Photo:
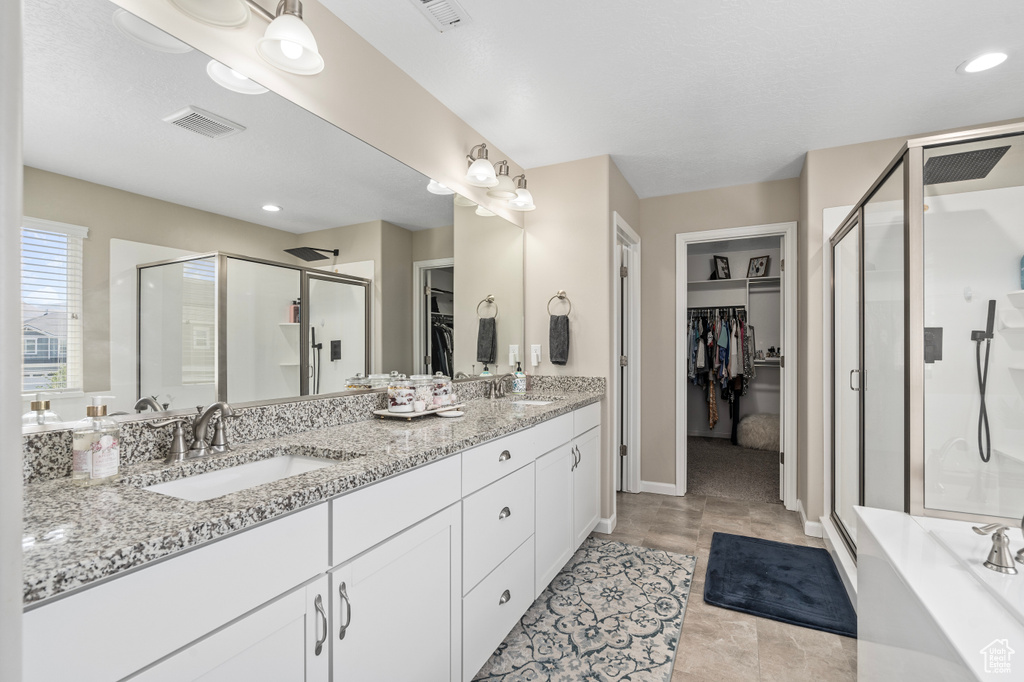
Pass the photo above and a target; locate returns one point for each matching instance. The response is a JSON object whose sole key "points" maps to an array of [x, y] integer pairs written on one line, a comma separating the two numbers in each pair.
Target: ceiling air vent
{"points": [[444, 15], [204, 123]]}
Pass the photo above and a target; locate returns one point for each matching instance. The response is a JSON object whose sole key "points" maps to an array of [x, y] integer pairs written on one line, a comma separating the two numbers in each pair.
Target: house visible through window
{"points": [[51, 306]]}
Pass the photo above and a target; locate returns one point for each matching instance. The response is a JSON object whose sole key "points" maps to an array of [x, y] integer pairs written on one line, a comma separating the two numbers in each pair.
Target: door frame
{"points": [[790, 372], [628, 237], [419, 270]]}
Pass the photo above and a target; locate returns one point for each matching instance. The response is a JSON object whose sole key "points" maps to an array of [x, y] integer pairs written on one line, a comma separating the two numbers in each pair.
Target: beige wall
{"points": [[661, 219], [396, 299], [433, 244], [115, 214], [488, 260], [359, 91]]}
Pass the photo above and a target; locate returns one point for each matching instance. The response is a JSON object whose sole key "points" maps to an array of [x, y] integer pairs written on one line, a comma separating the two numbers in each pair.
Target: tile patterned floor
{"points": [[719, 644]]}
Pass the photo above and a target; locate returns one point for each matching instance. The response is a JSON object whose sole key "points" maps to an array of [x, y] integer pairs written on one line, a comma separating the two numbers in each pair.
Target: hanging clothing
{"points": [[720, 357]]}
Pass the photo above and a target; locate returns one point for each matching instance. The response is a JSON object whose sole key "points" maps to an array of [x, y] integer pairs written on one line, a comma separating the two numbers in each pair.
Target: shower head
{"points": [[308, 253], [973, 165]]}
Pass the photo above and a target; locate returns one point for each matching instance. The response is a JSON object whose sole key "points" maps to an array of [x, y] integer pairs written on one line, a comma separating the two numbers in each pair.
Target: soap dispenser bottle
{"points": [[97, 458], [40, 413], [519, 382]]}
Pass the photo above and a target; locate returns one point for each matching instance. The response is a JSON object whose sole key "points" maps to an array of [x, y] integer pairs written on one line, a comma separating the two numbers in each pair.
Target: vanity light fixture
{"points": [[481, 172], [483, 212], [505, 189], [435, 187], [271, 208], [464, 202], [983, 62], [523, 200], [146, 34], [226, 77], [288, 43]]}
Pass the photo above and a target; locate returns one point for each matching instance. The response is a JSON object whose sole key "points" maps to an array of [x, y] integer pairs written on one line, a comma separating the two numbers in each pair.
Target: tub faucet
{"points": [[999, 558], [201, 426]]}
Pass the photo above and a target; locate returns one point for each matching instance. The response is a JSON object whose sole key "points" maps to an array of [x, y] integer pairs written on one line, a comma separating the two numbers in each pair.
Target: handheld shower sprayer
{"points": [[984, 435]]}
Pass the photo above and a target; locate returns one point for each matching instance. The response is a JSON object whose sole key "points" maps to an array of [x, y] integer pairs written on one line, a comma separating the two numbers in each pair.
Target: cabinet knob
{"points": [[343, 593], [319, 604], [504, 456], [504, 513], [505, 596]]}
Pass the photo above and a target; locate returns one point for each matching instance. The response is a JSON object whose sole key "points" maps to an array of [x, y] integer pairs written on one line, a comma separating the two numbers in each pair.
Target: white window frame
{"points": [[76, 335]]}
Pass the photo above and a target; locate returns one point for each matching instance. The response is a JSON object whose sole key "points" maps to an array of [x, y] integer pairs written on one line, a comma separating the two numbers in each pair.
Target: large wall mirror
{"points": [[143, 174]]}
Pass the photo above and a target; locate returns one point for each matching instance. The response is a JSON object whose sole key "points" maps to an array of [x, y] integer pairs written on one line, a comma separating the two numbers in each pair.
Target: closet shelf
{"points": [[1016, 298], [767, 363], [736, 282], [289, 364], [288, 324]]}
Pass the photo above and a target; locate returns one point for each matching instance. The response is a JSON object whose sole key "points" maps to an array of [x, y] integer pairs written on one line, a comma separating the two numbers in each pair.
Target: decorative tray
{"points": [[409, 416]]}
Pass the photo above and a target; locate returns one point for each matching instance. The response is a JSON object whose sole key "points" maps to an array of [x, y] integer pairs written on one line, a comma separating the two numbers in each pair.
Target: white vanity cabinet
{"points": [[586, 484]]}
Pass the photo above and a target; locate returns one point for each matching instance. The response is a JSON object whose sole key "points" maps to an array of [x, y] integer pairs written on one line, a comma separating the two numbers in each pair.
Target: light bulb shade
{"points": [[464, 202], [289, 35], [523, 201], [481, 174], [227, 77], [505, 189], [483, 212], [435, 187]]}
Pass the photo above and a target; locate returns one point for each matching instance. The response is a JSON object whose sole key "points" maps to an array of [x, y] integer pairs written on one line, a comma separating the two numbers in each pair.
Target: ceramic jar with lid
{"points": [[358, 382], [442, 390], [401, 394]]}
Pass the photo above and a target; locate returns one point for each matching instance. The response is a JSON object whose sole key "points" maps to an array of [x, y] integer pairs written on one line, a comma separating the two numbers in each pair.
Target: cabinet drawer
{"points": [[487, 463], [371, 515], [115, 628], [486, 618], [586, 418], [495, 521]]}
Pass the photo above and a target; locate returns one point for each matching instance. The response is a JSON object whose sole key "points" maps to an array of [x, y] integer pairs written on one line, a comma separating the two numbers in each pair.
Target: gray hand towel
{"points": [[558, 339], [487, 341]]}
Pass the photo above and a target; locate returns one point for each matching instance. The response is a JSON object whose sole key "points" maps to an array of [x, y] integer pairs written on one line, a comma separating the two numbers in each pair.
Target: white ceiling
{"points": [[94, 104], [696, 94]]}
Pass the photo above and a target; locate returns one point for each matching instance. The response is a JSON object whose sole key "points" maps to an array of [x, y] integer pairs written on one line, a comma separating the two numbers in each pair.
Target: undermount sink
{"points": [[213, 484], [532, 402]]}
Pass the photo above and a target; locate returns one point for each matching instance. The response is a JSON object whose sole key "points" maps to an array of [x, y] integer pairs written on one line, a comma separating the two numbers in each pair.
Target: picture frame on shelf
{"points": [[721, 270], [758, 267]]}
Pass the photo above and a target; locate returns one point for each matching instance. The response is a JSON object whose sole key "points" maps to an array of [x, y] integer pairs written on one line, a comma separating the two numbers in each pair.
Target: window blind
{"points": [[51, 306], [198, 311]]}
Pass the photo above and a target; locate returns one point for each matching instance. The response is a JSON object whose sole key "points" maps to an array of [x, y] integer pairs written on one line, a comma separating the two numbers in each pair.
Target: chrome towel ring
{"points": [[561, 296], [489, 299]]}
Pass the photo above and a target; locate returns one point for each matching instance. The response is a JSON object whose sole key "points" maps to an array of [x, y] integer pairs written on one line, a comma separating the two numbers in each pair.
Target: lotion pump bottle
{"points": [[97, 458], [40, 413], [519, 382]]}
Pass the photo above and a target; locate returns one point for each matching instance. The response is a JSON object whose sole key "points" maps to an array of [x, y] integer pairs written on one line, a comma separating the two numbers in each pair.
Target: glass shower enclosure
{"points": [[928, 334], [225, 327]]}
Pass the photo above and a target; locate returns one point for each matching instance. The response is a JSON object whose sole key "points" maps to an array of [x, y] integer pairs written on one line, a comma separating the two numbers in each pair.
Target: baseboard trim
{"points": [[658, 488], [606, 526], [812, 528]]}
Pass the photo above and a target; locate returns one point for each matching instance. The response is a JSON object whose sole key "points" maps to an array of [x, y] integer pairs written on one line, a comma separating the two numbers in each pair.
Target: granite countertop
{"points": [[74, 536]]}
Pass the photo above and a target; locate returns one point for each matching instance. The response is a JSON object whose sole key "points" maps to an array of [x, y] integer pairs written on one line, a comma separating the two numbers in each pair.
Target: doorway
{"points": [[433, 316], [626, 356], [736, 400]]}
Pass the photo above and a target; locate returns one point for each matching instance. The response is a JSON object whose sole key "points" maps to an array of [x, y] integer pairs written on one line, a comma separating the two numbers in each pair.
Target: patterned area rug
{"points": [[613, 613]]}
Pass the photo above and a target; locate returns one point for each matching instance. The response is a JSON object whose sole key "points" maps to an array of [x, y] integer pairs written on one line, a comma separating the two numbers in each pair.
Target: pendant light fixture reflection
{"points": [[288, 43], [523, 200], [435, 187], [464, 202], [505, 189], [226, 77], [219, 13], [147, 34], [481, 172], [483, 212]]}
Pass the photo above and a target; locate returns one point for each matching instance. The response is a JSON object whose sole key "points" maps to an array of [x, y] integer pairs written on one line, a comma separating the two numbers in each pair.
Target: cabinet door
{"points": [[274, 642], [586, 485], [555, 531], [395, 609]]}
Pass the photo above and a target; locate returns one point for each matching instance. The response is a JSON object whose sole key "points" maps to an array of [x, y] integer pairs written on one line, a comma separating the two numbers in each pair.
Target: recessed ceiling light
{"points": [[273, 208], [982, 63], [226, 77], [146, 34]]}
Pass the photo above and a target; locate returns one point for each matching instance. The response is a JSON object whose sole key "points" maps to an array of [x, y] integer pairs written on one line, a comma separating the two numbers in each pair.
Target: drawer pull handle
{"points": [[575, 458], [343, 593], [505, 596], [504, 513], [504, 456], [319, 604]]}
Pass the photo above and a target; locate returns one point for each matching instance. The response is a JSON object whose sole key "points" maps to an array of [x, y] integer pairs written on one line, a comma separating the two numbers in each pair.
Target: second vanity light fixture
{"points": [[287, 44]]}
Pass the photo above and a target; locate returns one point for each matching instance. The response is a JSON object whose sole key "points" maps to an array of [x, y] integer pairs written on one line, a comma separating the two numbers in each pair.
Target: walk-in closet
{"points": [[437, 326], [735, 353]]}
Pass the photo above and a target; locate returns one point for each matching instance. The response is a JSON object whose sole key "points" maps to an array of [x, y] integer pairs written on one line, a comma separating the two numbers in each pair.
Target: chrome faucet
{"points": [[148, 402], [999, 557], [497, 385], [199, 446], [461, 375]]}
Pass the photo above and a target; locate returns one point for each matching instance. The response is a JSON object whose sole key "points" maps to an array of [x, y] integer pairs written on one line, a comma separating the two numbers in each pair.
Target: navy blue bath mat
{"points": [[788, 583]]}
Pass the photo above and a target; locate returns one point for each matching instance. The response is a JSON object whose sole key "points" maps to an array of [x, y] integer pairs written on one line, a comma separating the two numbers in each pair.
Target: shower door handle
{"points": [[852, 372]]}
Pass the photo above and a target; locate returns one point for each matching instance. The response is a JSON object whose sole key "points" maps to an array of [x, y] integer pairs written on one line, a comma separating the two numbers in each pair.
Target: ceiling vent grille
{"points": [[444, 15], [204, 123]]}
